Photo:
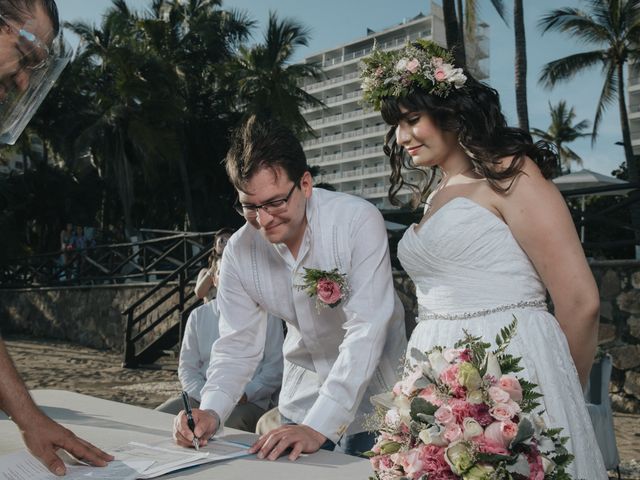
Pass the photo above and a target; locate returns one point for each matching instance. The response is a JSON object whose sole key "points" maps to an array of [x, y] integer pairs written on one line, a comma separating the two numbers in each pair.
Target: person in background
{"points": [[30, 62], [205, 288], [201, 332]]}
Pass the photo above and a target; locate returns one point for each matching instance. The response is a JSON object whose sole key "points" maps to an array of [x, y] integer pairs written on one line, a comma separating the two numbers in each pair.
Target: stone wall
{"points": [[89, 316], [619, 285]]}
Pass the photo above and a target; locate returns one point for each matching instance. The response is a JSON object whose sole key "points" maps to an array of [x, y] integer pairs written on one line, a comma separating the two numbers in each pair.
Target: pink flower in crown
{"points": [[440, 75], [437, 61], [379, 72], [511, 385], [329, 292], [413, 65]]}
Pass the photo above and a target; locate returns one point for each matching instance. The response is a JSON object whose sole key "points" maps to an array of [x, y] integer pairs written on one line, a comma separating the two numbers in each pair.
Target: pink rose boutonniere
{"points": [[329, 288]]}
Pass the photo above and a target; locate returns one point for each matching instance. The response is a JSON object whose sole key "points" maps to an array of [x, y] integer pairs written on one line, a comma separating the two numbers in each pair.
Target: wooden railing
{"points": [[143, 261]]}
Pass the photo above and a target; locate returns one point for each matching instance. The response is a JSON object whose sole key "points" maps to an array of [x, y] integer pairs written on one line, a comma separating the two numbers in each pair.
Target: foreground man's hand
{"points": [[206, 425], [300, 438], [43, 437]]}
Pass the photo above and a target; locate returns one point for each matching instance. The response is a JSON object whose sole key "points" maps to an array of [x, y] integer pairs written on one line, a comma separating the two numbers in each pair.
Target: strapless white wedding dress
{"points": [[470, 273]]}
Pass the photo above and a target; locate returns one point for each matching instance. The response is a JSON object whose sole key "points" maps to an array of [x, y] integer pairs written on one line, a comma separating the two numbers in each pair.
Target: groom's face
{"points": [[285, 224]]}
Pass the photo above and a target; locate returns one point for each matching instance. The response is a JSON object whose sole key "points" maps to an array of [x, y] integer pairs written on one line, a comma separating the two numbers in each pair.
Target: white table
{"points": [[109, 424]]}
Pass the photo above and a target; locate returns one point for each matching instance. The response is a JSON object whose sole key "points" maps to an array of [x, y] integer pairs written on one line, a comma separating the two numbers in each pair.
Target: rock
{"points": [[606, 333], [621, 403], [629, 301], [610, 285], [634, 326], [632, 384], [626, 357]]}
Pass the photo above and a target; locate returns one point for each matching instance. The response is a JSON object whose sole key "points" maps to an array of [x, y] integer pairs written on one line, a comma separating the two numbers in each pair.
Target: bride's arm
{"points": [[541, 223]]}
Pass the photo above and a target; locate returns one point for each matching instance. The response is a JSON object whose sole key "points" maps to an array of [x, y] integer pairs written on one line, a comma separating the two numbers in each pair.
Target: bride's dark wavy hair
{"points": [[474, 113]]}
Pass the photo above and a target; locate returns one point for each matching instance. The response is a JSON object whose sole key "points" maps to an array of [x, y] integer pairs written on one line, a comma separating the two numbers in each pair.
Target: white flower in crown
{"points": [[401, 66]]}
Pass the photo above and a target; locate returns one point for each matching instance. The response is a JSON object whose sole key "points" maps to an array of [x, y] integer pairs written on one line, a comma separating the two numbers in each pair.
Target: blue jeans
{"points": [[354, 445]]}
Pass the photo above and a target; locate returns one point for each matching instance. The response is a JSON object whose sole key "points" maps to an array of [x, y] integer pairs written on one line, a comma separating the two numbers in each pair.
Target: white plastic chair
{"points": [[599, 406]]}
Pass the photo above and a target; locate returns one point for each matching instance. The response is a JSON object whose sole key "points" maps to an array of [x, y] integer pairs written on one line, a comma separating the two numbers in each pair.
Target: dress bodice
{"points": [[464, 259]]}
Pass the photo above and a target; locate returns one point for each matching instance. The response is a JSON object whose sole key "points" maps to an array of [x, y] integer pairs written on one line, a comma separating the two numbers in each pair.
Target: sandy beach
{"points": [[63, 366], [59, 365]]}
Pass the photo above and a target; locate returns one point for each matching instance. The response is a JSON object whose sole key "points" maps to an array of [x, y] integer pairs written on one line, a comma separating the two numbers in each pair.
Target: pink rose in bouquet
{"points": [[511, 385]]}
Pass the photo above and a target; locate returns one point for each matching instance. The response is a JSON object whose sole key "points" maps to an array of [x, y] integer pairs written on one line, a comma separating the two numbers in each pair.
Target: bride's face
{"points": [[428, 145]]}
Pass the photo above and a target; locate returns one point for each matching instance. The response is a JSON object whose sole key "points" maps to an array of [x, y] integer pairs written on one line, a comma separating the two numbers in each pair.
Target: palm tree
{"points": [[460, 21], [198, 40], [520, 65], [268, 83], [613, 28], [561, 131]]}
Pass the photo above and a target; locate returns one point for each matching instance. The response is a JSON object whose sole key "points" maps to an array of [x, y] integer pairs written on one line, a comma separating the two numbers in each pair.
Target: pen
{"points": [[190, 422]]}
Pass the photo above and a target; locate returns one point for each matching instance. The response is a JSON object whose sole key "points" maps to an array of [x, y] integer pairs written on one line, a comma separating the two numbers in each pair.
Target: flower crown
{"points": [[423, 65]]}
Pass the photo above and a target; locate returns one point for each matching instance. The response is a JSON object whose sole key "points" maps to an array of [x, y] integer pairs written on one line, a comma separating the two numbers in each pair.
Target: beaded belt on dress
{"points": [[424, 314]]}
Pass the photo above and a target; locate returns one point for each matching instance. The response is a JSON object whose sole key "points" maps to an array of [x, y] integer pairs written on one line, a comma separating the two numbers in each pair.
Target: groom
{"points": [[336, 357]]}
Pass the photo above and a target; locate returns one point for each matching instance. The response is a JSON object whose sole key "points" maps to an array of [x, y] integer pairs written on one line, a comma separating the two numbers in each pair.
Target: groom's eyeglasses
{"points": [[274, 207]]}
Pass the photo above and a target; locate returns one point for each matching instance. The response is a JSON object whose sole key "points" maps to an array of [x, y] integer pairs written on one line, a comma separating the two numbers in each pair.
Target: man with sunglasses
{"points": [[29, 64], [336, 357]]}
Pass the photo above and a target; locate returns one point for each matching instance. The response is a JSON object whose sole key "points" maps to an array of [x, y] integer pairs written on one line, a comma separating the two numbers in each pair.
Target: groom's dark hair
{"points": [[259, 144]]}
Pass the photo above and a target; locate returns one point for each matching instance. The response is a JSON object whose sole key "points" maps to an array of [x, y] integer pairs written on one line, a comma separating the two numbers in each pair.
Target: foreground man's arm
{"points": [[41, 435]]}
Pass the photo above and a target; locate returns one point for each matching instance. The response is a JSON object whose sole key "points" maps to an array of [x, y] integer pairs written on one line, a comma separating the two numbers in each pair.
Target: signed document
{"points": [[133, 460]]}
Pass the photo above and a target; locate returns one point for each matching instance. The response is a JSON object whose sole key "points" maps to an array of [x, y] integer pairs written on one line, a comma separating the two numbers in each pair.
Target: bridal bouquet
{"points": [[460, 413]]}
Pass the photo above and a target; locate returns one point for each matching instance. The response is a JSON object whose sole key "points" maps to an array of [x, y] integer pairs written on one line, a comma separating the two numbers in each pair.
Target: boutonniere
{"points": [[329, 288]]}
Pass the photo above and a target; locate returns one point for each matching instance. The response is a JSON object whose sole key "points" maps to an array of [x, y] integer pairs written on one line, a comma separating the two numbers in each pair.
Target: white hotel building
{"points": [[348, 147], [634, 109]]}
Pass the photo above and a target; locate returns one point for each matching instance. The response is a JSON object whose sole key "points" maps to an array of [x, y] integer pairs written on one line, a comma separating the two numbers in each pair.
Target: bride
{"points": [[495, 235]]}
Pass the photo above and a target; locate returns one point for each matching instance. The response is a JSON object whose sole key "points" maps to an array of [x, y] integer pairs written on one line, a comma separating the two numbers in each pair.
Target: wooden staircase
{"points": [[155, 322]]}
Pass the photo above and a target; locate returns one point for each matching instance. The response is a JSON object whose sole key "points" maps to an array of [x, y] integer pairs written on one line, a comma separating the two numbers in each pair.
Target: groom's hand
{"points": [[206, 425], [299, 438]]}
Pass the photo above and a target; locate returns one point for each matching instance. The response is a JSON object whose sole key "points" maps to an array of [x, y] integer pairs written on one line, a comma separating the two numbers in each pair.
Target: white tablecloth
{"points": [[109, 424]]}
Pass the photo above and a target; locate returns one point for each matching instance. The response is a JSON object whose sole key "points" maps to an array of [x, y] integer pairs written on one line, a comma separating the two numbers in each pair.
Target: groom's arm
{"points": [[234, 356]]}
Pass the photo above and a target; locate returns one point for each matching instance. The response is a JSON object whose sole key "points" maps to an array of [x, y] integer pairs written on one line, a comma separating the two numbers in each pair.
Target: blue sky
{"points": [[334, 22]]}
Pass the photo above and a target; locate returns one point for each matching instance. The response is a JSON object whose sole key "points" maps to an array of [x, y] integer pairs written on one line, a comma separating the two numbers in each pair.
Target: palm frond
{"points": [[566, 68]]}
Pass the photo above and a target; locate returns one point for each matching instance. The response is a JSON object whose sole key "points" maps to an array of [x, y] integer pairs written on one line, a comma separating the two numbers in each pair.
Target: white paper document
{"points": [[133, 460], [24, 466], [168, 457]]}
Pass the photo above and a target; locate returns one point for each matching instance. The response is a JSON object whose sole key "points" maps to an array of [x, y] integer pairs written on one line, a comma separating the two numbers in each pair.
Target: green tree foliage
{"points": [[143, 113], [563, 130]]}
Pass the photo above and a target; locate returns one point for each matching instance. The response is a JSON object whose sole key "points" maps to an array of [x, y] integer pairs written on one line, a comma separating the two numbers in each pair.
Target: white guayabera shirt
{"points": [[335, 358]]}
